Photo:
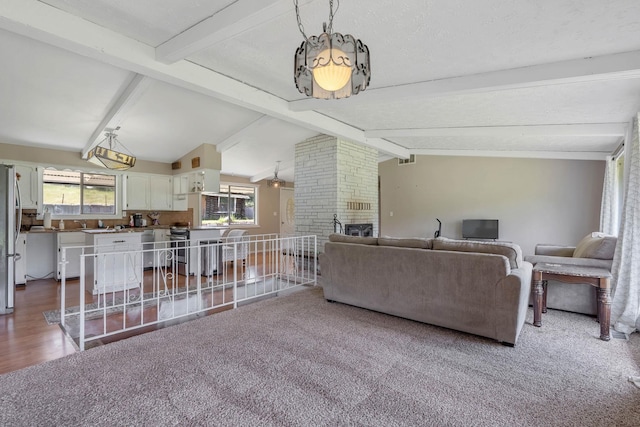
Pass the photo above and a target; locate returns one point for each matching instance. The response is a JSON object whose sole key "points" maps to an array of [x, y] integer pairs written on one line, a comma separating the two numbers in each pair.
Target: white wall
{"points": [[535, 200]]}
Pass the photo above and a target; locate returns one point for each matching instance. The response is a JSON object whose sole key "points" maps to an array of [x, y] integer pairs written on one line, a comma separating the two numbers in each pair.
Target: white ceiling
{"points": [[550, 79]]}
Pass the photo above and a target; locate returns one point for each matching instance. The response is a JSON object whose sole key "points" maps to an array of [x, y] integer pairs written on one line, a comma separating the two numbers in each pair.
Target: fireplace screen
{"points": [[362, 230]]}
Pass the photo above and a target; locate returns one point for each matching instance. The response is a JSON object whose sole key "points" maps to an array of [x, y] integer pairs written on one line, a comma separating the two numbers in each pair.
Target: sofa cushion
{"points": [[596, 245], [344, 238], [418, 243], [509, 250]]}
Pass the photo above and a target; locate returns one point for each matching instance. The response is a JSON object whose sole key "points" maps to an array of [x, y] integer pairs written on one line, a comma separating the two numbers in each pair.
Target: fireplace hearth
{"points": [[362, 230]]}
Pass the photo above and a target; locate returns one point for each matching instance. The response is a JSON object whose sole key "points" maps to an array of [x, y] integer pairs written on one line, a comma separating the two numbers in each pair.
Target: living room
{"points": [[482, 110]]}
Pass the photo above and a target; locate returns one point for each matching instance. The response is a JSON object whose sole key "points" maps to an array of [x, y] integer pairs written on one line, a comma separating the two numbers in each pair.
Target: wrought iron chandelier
{"points": [[331, 65], [275, 181], [105, 154]]}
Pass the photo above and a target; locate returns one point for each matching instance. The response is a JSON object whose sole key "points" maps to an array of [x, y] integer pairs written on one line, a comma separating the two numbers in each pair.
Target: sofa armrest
{"points": [[512, 303], [324, 279], [554, 250], [582, 262]]}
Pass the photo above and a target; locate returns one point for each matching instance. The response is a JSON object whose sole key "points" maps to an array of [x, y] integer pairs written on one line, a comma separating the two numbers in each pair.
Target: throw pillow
{"points": [[597, 246]]}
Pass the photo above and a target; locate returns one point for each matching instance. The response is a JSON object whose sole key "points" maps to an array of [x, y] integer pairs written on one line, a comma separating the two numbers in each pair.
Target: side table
{"points": [[598, 277]]}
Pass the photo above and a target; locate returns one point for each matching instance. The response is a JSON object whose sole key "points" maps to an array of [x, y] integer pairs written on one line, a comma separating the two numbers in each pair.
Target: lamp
{"points": [[275, 181], [104, 154], [331, 65]]}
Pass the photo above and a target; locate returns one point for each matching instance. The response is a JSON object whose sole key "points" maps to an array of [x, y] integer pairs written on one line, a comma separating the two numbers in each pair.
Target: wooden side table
{"points": [[598, 277]]}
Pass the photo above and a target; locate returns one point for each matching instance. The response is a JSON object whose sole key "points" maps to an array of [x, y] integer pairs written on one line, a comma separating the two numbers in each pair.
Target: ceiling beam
{"points": [[284, 165], [125, 100], [598, 68], [238, 17], [245, 132], [558, 155], [47, 24], [587, 130]]}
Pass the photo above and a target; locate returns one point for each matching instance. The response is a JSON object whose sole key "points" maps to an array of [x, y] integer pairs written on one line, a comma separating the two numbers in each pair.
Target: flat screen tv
{"points": [[479, 228]]}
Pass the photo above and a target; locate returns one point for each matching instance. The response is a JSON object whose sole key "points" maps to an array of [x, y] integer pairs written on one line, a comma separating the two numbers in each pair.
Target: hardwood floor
{"points": [[25, 337]]}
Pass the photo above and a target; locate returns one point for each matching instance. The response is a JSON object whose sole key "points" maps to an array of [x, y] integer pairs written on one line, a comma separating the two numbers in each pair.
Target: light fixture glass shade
{"points": [[275, 181], [108, 157], [332, 66], [334, 74]]}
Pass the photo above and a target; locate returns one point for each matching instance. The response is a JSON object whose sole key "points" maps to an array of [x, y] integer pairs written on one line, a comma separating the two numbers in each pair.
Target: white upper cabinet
{"points": [[149, 192], [29, 187], [161, 192], [180, 190], [138, 192]]}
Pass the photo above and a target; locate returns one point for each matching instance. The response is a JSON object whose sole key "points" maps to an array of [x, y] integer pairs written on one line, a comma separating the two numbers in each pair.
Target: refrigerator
{"points": [[10, 216]]}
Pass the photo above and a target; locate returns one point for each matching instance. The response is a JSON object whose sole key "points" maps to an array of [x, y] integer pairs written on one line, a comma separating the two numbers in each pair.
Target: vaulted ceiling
{"points": [[551, 79]]}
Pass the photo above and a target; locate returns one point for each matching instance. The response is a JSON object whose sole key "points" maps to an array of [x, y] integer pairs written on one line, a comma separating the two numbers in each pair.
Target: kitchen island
{"points": [[116, 264]]}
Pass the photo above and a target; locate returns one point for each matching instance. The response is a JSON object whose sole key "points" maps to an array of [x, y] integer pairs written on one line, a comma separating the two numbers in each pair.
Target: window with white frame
{"points": [[68, 193], [234, 204]]}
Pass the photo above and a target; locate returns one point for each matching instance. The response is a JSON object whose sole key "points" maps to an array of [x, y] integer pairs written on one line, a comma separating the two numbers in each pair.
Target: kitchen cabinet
{"points": [[117, 262], [20, 266], [138, 193], [204, 180], [40, 248], [161, 192], [72, 242], [29, 186], [149, 192], [180, 190]]}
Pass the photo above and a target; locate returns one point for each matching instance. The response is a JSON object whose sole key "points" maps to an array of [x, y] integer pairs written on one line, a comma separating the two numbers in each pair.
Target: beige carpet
{"points": [[298, 360]]}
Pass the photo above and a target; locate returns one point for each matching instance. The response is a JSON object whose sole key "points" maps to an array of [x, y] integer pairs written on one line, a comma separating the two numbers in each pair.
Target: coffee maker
{"points": [[137, 220]]}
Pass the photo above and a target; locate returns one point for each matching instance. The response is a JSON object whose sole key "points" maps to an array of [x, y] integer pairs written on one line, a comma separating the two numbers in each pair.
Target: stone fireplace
{"points": [[361, 230], [335, 179]]}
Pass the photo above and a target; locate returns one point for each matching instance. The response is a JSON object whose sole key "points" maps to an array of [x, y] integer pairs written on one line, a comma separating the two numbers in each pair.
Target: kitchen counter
{"points": [[97, 230]]}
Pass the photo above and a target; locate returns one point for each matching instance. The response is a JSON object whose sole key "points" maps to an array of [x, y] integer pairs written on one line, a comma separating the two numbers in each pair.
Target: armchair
{"points": [[594, 250]]}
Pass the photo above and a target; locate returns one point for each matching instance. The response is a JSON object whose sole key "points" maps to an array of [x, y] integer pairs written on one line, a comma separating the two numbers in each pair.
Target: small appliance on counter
{"points": [[137, 220]]}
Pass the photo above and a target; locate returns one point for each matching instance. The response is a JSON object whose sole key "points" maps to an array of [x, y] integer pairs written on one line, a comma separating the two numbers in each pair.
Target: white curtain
{"points": [[609, 208], [625, 310]]}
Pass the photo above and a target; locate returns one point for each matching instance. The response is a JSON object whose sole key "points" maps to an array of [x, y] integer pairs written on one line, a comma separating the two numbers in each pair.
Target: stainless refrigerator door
{"points": [[7, 238]]}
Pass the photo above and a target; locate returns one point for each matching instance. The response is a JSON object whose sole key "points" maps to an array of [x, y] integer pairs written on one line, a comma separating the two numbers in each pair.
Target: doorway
{"points": [[287, 212]]}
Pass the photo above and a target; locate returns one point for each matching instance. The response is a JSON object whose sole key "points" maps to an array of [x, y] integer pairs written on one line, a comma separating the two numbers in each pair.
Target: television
{"points": [[480, 229]]}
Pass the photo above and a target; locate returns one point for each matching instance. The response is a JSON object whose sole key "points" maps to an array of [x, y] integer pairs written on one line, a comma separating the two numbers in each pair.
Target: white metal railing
{"points": [[116, 294]]}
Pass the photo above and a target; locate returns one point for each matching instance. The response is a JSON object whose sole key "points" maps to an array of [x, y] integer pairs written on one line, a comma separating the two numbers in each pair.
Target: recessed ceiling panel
{"points": [[597, 102], [421, 40], [272, 142], [149, 21], [168, 122], [50, 96]]}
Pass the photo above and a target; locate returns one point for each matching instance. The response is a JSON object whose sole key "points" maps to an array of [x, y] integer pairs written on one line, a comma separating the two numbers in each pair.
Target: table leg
{"points": [[538, 293], [604, 309]]}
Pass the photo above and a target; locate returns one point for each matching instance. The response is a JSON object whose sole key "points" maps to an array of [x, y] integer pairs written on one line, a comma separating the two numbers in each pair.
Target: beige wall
{"points": [[535, 200], [50, 157], [209, 159], [268, 203]]}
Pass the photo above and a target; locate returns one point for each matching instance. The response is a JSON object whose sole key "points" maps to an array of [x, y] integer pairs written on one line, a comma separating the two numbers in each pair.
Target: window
{"points": [[234, 204], [77, 193]]}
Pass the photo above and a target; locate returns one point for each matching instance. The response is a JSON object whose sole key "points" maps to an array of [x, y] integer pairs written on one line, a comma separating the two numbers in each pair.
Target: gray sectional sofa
{"points": [[477, 287]]}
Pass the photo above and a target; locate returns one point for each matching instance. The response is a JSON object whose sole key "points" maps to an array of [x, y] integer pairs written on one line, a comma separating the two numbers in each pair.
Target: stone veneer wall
{"points": [[333, 176]]}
